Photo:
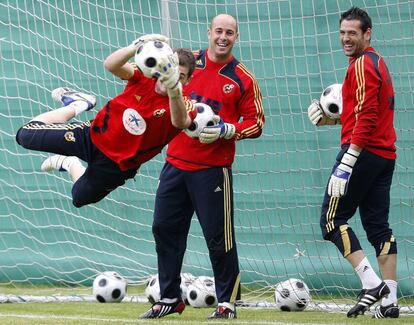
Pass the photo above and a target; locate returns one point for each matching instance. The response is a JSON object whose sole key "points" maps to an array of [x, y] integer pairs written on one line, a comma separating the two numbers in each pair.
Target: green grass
{"points": [[127, 312], [124, 313]]}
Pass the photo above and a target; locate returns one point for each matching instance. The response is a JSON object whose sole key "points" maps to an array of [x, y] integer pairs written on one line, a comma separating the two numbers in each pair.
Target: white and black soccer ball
{"points": [[148, 55], [331, 101], [292, 295], [202, 292], [186, 280], [205, 117], [109, 287], [152, 289]]}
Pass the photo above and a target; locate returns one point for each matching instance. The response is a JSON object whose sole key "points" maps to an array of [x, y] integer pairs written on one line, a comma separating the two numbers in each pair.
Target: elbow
{"points": [[107, 65]]}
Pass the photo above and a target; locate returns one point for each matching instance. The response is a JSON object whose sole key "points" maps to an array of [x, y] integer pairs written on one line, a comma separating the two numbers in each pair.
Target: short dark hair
{"points": [[186, 59], [356, 13]]}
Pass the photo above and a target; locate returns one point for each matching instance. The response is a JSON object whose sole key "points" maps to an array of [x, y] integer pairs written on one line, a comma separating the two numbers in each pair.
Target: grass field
{"points": [[125, 313], [128, 312]]}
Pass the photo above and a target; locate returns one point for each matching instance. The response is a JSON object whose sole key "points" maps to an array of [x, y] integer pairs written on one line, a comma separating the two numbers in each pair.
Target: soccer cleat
{"points": [[67, 96], [367, 298], [161, 309], [390, 311], [223, 312], [56, 162]]}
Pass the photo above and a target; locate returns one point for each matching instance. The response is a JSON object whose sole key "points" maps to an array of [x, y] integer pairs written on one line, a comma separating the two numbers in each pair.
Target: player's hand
{"points": [[338, 182], [149, 37], [168, 74], [210, 134], [133, 47], [317, 116]]}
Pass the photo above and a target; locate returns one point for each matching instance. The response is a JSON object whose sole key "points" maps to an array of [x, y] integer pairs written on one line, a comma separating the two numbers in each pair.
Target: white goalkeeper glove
{"points": [[210, 134], [168, 74], [133, 47], [317, 116], [338, 182]]}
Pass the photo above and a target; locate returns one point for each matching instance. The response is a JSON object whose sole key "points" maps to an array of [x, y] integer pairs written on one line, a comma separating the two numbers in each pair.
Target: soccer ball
{"points": [[205, 117], [152, 290], [292, 295], [186, 280], [202, 292], [331, 101], [148, 55], [109, 287]]}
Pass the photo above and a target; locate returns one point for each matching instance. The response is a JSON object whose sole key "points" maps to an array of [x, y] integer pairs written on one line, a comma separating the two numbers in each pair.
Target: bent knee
{"points": [[24, 137]]}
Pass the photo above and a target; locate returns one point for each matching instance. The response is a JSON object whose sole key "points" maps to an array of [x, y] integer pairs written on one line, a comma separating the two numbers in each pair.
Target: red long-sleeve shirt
{"points": [[135, 125], [368, 105], [234, 94]]}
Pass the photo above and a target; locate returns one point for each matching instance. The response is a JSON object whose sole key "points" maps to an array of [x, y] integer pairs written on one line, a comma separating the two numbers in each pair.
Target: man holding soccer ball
{"points": [[362, 175], [197, 174], [129, 130]]}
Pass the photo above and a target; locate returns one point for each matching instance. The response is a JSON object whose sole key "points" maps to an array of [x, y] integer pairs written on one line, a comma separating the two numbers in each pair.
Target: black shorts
{"points": [[369, 190], [102, 175]]}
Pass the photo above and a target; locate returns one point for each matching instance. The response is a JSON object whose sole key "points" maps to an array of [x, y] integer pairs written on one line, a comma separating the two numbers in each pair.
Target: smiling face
{"points": [[353, 40], [222, 35]]}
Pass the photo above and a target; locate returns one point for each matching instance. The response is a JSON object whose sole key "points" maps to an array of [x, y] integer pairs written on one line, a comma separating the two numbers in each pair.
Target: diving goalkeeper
{"points": [[129, 130]]}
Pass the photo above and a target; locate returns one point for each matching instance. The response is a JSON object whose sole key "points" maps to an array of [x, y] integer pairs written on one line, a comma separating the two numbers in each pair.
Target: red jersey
{"points": [[368, 105], [134, 126], [234, 94]]}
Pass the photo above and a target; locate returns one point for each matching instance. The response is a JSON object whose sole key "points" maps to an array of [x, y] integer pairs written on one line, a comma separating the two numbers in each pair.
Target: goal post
{"points": [[292, 47]]}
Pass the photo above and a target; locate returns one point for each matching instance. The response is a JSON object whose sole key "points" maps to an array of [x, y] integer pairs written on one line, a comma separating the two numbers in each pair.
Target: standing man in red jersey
{"points": [[362, 175], [129, 130], [197, 174]]}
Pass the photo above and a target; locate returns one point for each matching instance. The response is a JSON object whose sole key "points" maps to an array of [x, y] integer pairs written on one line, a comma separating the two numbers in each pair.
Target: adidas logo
{"points": [[218, 189], [365, 268]]}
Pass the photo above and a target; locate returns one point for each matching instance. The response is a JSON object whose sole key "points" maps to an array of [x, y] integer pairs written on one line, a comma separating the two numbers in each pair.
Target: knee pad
{"points": [[387, 247], [344, 239]]}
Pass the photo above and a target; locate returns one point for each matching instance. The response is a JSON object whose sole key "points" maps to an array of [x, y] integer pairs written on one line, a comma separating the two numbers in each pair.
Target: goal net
{"points": [[292, 47]]}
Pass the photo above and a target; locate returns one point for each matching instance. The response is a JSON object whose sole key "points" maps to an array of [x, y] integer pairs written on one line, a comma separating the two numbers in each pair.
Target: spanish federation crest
{"points": [[134, 123]]}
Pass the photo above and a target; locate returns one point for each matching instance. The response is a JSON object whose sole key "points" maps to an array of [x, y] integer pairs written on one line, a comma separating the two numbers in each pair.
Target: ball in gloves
{"points": [[148, 55], [205, 117], [331, 101]]}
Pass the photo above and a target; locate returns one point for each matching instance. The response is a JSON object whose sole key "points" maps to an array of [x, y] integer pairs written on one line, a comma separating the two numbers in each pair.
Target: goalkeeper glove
{"points": [[338, 182], [210, 134], [168, 74], [317, 116], [133, 47]]}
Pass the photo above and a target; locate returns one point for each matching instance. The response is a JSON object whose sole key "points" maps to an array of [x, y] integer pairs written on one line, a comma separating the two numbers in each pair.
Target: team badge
{"points": [[159, 112], [227, 88], [134, 123], [69, 136]]}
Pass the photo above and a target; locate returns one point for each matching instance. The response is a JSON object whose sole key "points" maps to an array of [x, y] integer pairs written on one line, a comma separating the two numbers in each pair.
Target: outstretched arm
{"points": [[117, 62]]}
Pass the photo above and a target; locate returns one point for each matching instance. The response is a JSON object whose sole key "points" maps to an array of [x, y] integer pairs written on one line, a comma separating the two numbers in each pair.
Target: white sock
{"points": [[392, 297], [169, 300], [227, 305], [367, 275], [79, 106], [69, 161]]}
